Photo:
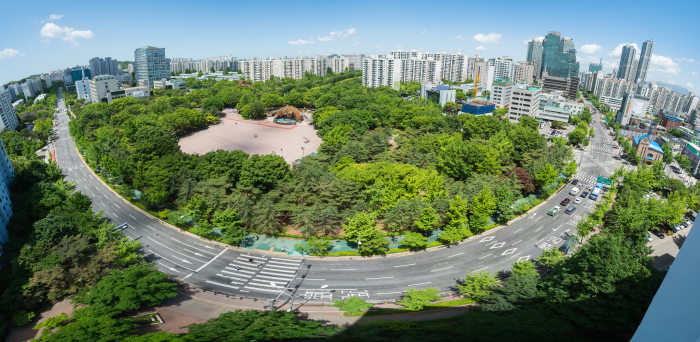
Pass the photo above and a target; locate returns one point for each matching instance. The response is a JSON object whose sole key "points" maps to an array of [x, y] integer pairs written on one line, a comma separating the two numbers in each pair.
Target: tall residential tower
{"points": [[626, 62], [644, 60]]}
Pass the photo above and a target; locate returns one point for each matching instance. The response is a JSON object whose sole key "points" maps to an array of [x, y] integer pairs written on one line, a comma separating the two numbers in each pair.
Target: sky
{"points": [[55, 35]]}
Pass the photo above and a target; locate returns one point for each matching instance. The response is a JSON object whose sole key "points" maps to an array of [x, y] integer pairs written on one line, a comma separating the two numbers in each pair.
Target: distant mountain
{"points": [[678, 89]]}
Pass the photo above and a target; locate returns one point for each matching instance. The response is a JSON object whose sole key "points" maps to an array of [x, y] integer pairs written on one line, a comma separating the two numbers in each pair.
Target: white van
{"points": [[574, 191]]}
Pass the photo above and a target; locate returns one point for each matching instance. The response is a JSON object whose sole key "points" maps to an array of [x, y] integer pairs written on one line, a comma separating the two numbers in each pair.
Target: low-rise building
{"points": [[170, 84], [525, 101], [478, 108], [649, 150], [100, 86], [670, 120], [552, 113], [502, 92], [692, 151], [437, 93], [568, 86], [633, 106], [135, 92]]}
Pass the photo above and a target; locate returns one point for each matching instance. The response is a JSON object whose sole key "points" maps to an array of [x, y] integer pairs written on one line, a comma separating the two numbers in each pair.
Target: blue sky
{"points": [[52, 35]]}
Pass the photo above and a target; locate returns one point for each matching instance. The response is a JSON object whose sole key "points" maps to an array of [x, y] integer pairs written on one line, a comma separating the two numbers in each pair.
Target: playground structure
{"points": [[288, 115]]}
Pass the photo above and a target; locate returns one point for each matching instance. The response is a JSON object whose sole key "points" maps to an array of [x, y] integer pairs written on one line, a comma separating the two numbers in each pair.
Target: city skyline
{"points": [[60, 38]]}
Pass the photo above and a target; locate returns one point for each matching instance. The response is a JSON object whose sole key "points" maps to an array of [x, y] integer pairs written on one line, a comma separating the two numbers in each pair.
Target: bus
{"points": [[596, 192]]}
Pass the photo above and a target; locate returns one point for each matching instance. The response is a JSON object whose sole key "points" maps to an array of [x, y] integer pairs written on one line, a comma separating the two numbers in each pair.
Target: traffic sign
{"points": [[603, 180]]}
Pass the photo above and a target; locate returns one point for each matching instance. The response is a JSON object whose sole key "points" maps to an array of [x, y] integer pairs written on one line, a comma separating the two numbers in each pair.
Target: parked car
{"points": [[570, 209], [658, 233], [565, 202], [649, 238], [554, 211], [584, 194], [574, 182], [676, 228], [577, 201]]}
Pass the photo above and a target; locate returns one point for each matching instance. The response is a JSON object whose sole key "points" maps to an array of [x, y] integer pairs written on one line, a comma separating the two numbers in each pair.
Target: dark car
{"points": [[574, 182], [570, 209], [584, 194], [565, 201], [658, 233]]}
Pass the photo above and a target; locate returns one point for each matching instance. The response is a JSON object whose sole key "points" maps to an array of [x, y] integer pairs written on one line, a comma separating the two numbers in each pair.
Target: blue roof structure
{"points": [[672, 118], [442, 87], [653, 144]]}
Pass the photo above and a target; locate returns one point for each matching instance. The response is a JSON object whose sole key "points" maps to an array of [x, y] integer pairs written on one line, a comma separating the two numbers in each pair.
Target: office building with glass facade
{"points": [[534, 56], [558, 63], [150, 65]]}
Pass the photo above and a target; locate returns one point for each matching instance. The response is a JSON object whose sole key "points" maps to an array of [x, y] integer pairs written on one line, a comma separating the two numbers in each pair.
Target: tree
{"points": [[272, 100], [545, 175], [230, 225], [484, 203], [263, 171], [571, 169], [668, 154], [452, 107], [577, 136], [428, 219], [251, 325], [683, 162], [591, 132], [477, 284], [265, 217], [255, 110], [456, 226], [199, 207], [414, 241], [352, 305], [129, 289], [315, 246], [416, 299], [558, 125], [361, 227], [200, 74]]}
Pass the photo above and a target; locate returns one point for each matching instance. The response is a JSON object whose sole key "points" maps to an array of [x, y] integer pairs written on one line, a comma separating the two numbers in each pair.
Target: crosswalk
{"points": [[603, 149], [586, 178], [257, 273]]}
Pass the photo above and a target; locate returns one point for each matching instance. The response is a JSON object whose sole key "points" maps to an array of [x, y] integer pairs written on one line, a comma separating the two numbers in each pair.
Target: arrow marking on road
{"points": [[527, 257], [509, 251], [498, 245], [557, 228]]}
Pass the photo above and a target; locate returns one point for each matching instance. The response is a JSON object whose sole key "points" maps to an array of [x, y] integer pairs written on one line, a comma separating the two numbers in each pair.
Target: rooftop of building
{"points": [[479, 103], [652, 144], [673, 118], [556, 108]]}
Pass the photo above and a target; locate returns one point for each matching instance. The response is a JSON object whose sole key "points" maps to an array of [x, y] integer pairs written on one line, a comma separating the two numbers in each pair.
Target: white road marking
{"points": [[220, 284], [132, 216], [517, 230], [170, 261], [486, 239], [244, 271], [297, 261], [254, 257], [453, 255], [182, 243], [378, 278], [247, 265], [154, 229], [267, 268], [485, 256], [274, 278], [516, 242], [383, 293], [527, 257], [539, 228], [314, 279], [441, 269], [283, 263], [342, 269], [148, 237], [404, 265], [481, 269], [209, 262], [420, 284], [509, 251], [498, 245], [278, 266]]}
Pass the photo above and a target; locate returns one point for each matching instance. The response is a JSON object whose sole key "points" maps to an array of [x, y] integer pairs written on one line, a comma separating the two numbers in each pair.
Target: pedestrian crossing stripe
{"points": [[220, 284]]}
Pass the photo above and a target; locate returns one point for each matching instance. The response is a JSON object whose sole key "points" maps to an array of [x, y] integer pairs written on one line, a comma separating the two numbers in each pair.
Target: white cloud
{"points": [[618, 50], [338, 34], [55, 17], [44, 40], [51, 30], [689, 60], [590, 48], [689, 85], [423, 32], [22, 55], [398, 46], [458, 37], [694, 73], [357, 43], [480, 48], [300, 42], [664, 65], [8, 53], [538, 38], [492, 37], [377, 47]]}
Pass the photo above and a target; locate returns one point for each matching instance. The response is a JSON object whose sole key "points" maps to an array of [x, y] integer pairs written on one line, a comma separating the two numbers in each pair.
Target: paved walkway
{"points": [[196, 306]]}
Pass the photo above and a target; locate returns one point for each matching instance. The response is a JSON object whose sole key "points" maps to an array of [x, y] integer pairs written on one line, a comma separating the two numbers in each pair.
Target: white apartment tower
{"points": [[8, 117], [7, 173], [381, 71]]}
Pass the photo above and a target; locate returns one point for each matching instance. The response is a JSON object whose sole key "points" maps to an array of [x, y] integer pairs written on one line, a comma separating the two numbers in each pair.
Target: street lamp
{"points": [[302, 151]]}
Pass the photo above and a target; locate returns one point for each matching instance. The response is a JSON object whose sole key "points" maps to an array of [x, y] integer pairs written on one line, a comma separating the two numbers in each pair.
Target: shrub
{"points": [[352, 305], [417, 299], [23, 318]]}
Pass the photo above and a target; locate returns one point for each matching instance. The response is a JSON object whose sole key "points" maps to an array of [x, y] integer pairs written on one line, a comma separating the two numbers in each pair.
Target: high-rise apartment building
{"points": [[28, 89], [503, 67], [556, 63], [261, 70], [524, 72], [381, 71], [354, 61], [644, 60], [107, 66], [8, 118], [633, 72], [451, 67], [150, 65], [534, 56], [7, 173], [101, 85], [83, 89], [626, 62]]}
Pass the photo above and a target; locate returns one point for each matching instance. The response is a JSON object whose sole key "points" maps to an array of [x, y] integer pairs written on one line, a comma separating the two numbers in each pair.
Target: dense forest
{"points": [[386, 166]]}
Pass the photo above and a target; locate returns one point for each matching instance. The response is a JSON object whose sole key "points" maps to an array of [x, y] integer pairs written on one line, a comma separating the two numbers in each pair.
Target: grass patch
{"points": [[428, 307]]}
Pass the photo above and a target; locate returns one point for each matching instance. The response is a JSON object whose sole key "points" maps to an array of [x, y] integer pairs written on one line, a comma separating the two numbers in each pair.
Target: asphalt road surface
{"points": [[374, 279]]}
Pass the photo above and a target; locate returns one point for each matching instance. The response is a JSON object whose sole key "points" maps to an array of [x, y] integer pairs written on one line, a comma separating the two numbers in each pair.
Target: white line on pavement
{"points": [[481, 269], [441, 269], [209, 262], [453, 255], [485, 255], [420, 284], [404, 265], [215, 283], [378, 278]]}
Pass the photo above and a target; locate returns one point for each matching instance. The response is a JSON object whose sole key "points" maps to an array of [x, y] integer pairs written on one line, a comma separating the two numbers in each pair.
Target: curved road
{"points": [[375, 279]]}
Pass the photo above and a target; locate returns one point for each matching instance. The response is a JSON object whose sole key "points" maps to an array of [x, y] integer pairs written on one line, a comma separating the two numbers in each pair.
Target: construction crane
{"points": [[476, 80]]}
